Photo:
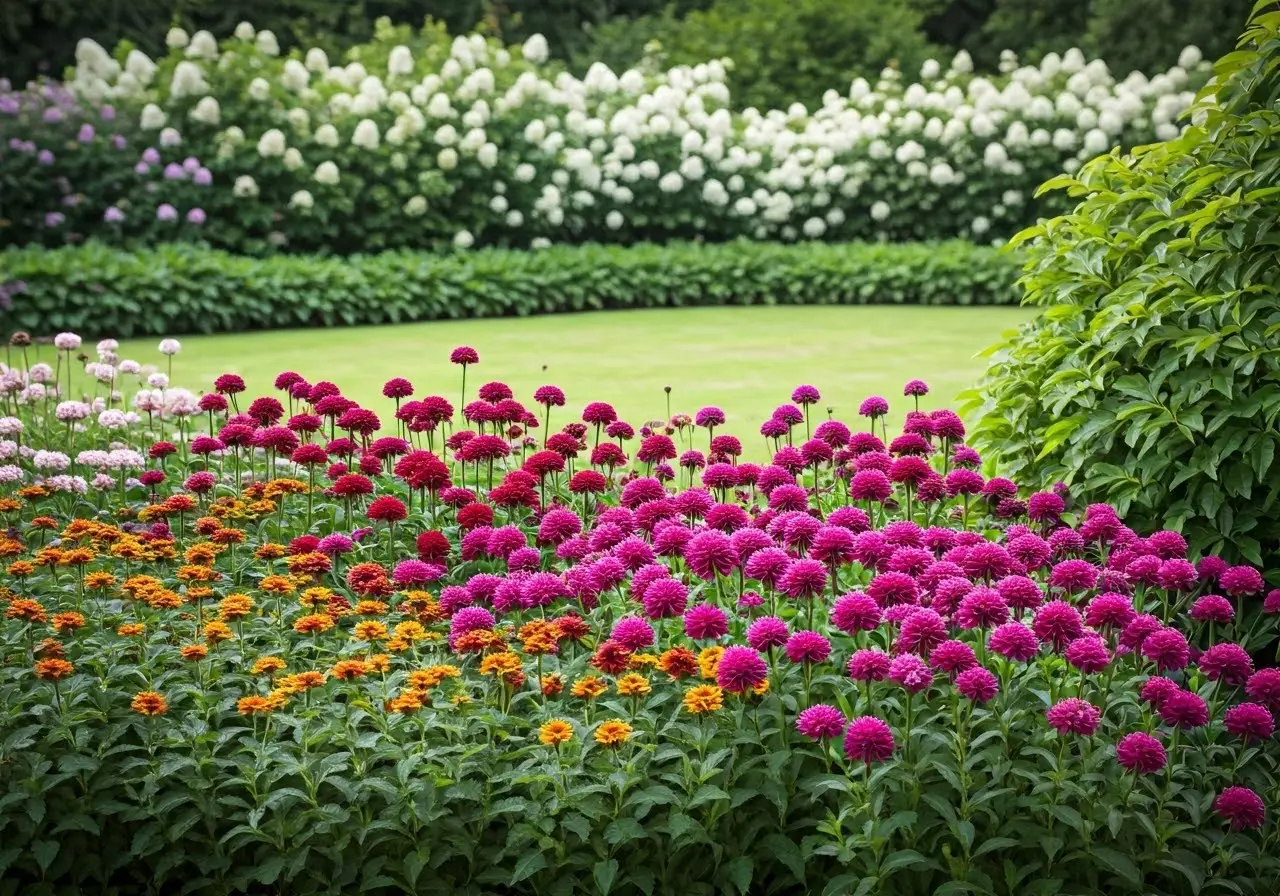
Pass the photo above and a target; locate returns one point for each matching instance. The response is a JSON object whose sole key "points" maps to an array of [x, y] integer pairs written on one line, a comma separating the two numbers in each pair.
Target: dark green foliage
{"points": [[176, 289], [1152, 380]]}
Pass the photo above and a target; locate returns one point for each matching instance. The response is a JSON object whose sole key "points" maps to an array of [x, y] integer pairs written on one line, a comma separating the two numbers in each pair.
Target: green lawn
{"points": [[746, 360]]}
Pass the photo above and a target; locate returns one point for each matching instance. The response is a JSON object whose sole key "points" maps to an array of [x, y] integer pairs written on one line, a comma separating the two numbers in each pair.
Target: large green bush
{"points": [[1153, 377], [177, 289]]}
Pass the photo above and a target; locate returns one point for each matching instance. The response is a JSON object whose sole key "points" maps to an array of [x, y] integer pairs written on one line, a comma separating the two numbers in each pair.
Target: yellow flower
{"points": [[709, 661], [410, 630], [589, 688], [313, 624], [703, 698], [422, 679], [643, 661], [267, 664], [555, 732], [633, 685], [613, 733], [500, 664], [370, 631], [217, 631]]}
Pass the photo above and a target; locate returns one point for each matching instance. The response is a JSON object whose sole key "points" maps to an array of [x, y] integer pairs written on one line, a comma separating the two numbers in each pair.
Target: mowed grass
{"points": [[745, 360]]}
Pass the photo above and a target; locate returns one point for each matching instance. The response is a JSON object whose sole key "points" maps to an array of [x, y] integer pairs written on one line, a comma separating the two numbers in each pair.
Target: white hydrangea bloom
{"points": [[400, 61], [1190, 57], [259, 89], [152, 118], [188, 80], [416, 206], [463, 239], [176, 38], [880, 210], [203, 45], [206, 111], [447, 159], [302, 199], [272, 144], [535, 49], [366, 135], [245, 187], [292, 159], [487, 155], [244, 31], [267, 43], [140, 66], [327, 135], [295, 76], [326, 173], [317, 61]]}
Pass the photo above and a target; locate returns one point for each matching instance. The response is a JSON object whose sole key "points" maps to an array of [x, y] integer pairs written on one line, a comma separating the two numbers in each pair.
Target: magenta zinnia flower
{"points": [[1229, 662], [868, 740], [952, 657], [921, 631], [1088, 653], [1250, 721], [741, 669], [982, 608], [1241, 580], [766, 633], [911, 673], [1167, 648], [1074, 716], [464, 354], [869, 665], [1264, 687], [705, 622], [1183, 709], [808, 647], [1141, 753], [804, 578], [664, 598], [855, 612], [1240, 806], [710, 553], [1057, 623], [1014, 641], [977, 684], [820, 722], [632, 633]]}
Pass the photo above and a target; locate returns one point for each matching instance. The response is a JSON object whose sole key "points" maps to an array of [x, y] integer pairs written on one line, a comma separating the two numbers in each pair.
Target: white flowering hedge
{"points": [[419, 141]]}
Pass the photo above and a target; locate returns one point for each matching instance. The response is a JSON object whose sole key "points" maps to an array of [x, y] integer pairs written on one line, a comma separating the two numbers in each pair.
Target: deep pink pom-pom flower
{"points": [[804, 579], [705, 622], [1239, 581], [855, 612], [869, 665], [1156, 688], [911, 673], [868, 740], [1014, 641], [1183, 709], [1109, 610], [665, 598], [633, 633], [710, 553], [1074, 716], [1088, 653], [741, 669], [1167, 648], [1250, 721], [808, 647], [982, 608], [464, 354], [952, 657], [977, 684], [1229, 662], [1141, 753], [1241, 807], [921, 631], [1058, 623], [1264, 687], [820, 722], [766, 633]]}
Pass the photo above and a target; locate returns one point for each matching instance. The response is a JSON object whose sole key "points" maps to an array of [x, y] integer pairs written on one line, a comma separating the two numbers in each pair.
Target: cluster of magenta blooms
{"points": [[841, 534]]}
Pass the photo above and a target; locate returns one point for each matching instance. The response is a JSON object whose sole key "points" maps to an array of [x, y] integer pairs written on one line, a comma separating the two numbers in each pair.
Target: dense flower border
{"points": [[294, 640]]}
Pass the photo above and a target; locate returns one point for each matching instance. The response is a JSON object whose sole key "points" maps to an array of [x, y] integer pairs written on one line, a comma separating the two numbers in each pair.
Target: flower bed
{"points": [[179, 289], [296, 643], [414, 141]]}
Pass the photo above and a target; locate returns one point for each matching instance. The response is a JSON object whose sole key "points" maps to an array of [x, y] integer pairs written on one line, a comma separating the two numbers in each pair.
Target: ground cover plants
{"points": [[413, 140], [460, 641]]}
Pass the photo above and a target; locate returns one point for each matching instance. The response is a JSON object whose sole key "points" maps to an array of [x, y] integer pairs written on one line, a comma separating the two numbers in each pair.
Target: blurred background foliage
{"points": [[784, 51]]}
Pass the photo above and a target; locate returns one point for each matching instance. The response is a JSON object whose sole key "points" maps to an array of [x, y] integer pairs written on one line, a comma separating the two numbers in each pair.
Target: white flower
{"points": [[140, 66], [317, 60], [259, 89], [525, 172], [447, 159], [327, 135], [366, 134], [232, 136], [535, 49], [267, 43], [445, 135], [1190, 57], [880, 209], [170, 137], [463, 239], [176, 38], [417, 205], [170, 346], [930, 70], [980, 225], [244, 31], [487, 155], [400, 61], [158, 381], [614, 220], [245, 187], [303, 199], [152, 117], [962, 64], [206, 111], [188, 80], [203, 45], [1095, 142], [271, 144], [299, 120], [292, 159], [326, 173], [295, 76]]}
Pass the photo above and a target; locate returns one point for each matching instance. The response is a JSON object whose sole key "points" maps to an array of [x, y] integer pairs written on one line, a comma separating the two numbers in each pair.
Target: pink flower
{"points": [[977, 684], [1141, 753], [464, 354], [632, 633], [911, 673], [664, 598], [921, 631], [868, 740], [804, 579], [1167, 648], [982, 608], [1264, 687], [1250, 720], [1088, 653], [706, 622], [1014, 641], [1212, 608], [1156, 688], [820, 722], [1241, 580], [1229, 662], [1240, 806], [808, 647], [855, 612], [869, 665], [741, 669], [1183, 709], [766, 633], [1057, 623], [1074, 716]]}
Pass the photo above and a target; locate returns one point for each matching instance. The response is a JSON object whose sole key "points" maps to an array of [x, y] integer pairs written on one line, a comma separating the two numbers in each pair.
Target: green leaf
{"points": [[528, 864], [604, 873]]}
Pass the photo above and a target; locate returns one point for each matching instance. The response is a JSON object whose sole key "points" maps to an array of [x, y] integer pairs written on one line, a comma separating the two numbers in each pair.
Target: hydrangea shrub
{"points": [[1153, 376], [413, 140], [483, 644]]}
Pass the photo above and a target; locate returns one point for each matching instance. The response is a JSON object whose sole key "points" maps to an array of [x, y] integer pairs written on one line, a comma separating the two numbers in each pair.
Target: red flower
{"points": [[386, 509], [464, 354], [473, 516]]}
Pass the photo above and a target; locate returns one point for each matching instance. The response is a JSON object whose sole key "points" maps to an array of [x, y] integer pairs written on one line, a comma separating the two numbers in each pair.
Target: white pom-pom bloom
{"points": [[188, 80], [295, 76], [244, 31], [206, 111], [272, 144], [463, 239], [140, 66], [880, 210], [327, 135], [535, 49], [400, 61], [170, 137], [259, 89], [245, 187], [299, 120], [447, 159], [267, 43], [366, 134], [303, 199], [417, 205], [203, 46], [327, 173], [176, 38], [317, 61], [292, 159], [1190, 57], [152, 117], [487, 155]]}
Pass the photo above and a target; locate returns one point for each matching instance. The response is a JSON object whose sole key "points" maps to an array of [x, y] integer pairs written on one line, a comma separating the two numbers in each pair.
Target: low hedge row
{"points": [[97, 290]]}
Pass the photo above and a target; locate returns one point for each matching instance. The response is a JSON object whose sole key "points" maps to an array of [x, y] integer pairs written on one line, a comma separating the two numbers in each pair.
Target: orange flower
{"points": [[9, 505], [370, 631], [44, 522], [67, 622], [277, 585], [194, 652], [53, 669], [589, 688], [207, 525], [313, 624], [633, 685], [344, 670], [703, 698], [371, 608], [551, 684], [131, 629], [50, 647], [21, 568], [99, 581], [227, 536], [678, 662], [194, 573], [643, 661], [202, 553], [613, 733], [162, 599], [269, 551], [149, 703], [278, 699], [477, 640], [555, 732], [421, 679], [313, 596], [235, 606], [266, 665], [217, 631], [407, 702], [179, 503], [253, 705], [312, 564], [502, 664], [410, 630], [48, 556], [379, 662], [299, 682], [27, 610]]}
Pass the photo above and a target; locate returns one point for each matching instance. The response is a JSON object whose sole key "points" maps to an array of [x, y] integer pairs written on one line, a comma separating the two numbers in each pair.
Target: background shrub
{"points": [[1153, 377], [176, 289]]}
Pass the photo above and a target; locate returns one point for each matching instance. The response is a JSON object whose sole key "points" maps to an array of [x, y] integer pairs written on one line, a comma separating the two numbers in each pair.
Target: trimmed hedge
{"points": [[96, 290]]}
